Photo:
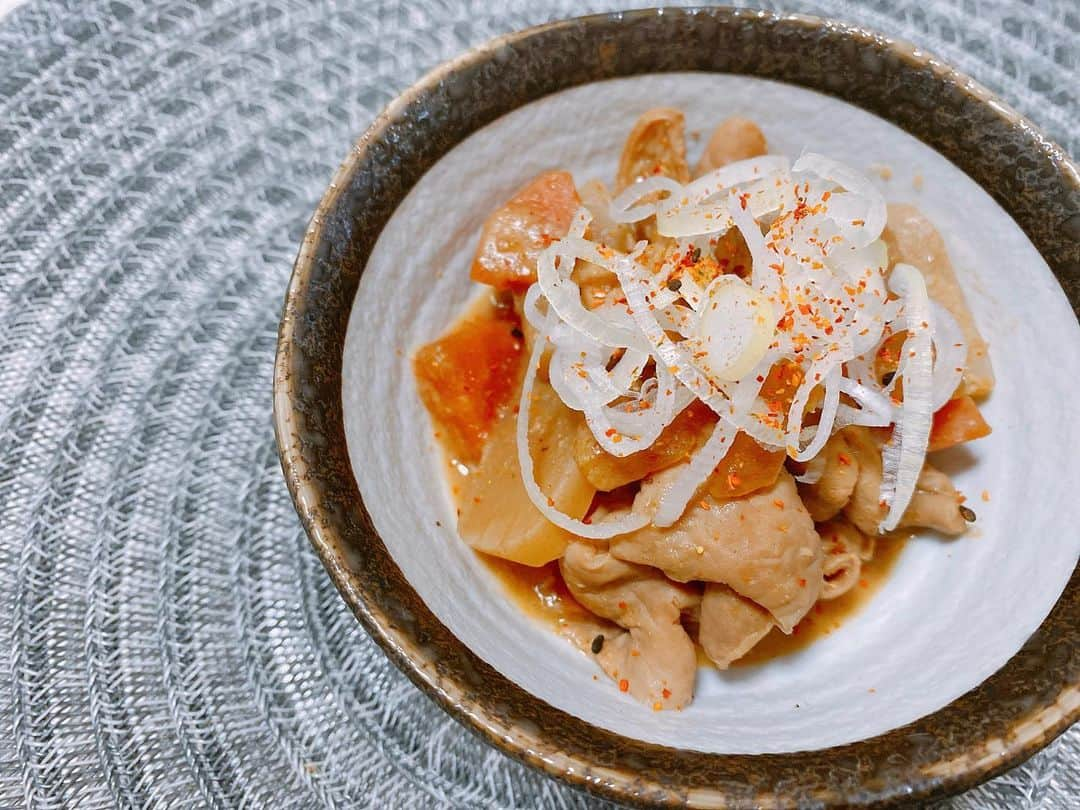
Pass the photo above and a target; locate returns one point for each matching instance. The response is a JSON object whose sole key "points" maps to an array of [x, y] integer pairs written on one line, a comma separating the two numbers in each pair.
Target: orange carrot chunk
{"points": [[746, 468], [466, 377], [514, 235], [956, 422]]}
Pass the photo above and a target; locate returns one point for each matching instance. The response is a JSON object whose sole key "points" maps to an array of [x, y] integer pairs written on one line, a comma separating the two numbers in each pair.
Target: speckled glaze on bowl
{"points": [[1028, 702]]}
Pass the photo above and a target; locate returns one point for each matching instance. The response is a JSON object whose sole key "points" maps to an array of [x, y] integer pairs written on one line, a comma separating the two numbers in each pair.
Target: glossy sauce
{"points": [[539, 592], [542, 594]]}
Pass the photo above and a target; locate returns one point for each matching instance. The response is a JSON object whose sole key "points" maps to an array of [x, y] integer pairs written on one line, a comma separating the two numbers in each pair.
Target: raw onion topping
{"points": [[817, 301]]}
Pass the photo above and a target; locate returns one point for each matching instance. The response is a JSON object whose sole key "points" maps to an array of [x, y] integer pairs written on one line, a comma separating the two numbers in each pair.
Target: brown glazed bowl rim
{"points": [[1014, 713]]}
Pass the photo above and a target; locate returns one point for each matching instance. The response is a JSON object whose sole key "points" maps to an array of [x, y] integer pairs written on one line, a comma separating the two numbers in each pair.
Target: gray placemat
{"points": [[167, 638]]}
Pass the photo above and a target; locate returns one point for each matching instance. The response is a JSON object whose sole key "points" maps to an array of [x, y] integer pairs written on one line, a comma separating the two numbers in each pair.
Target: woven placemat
{"points": [[167, 638]]}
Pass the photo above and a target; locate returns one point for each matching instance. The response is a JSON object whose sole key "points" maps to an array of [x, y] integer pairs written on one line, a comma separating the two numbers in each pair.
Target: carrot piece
{"points": [[514, 235], [466, 377], [746, 468], [956, 422], [677, 442]]}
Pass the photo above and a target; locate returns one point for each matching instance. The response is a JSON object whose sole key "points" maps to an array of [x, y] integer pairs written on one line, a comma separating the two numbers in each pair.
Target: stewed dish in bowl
{"points": [[697, 436]]}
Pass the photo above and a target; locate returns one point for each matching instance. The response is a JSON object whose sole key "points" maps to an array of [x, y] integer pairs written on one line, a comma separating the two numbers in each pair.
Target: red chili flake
{"points": [[666, 693], [843, 459], [802, 582], [624, 685], [742, 200], [779, 504], [622, 605]]}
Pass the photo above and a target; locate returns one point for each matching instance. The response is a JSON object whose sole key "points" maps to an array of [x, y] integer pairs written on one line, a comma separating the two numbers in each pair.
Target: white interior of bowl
{"points": [[951, 613]]}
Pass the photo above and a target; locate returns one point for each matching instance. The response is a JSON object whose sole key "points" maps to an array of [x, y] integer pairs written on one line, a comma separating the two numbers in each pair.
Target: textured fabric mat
{"points": [[167, 638]]}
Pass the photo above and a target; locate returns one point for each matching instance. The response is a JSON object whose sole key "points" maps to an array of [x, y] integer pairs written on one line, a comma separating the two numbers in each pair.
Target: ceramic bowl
{"points": [[965, 663]]}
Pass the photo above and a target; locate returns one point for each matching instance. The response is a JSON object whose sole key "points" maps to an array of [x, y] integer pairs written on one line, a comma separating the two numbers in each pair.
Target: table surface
{"points": [[167, 638]]}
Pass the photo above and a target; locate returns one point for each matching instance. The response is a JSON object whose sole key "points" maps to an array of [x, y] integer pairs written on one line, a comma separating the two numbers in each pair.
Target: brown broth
{"points": [[538, 592]]}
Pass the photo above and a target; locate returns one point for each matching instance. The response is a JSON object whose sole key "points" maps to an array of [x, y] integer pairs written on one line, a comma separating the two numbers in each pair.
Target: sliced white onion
{"points": [[735, 328], [903, 455], [762, 259], [873, 204], [622, 430], [553, 268], [583, 383], [694, 213], [718, 181], [875, 408], [531, 308], [668, 353], [627, 206], [821, 432]]}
